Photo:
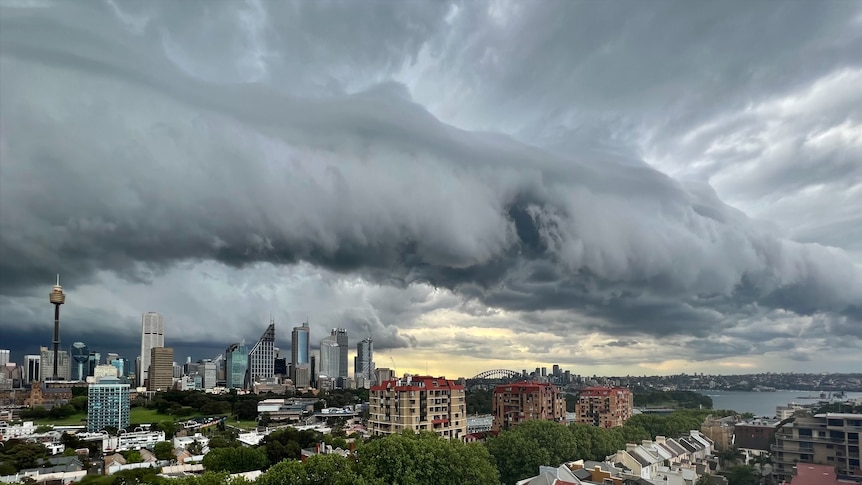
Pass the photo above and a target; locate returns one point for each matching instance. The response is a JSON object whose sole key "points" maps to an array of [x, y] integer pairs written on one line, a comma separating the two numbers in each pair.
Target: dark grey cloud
{"points": [[495, 151]]}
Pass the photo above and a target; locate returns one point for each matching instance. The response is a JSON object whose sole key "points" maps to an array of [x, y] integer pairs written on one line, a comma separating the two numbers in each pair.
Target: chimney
{"points": [[631, 446]]}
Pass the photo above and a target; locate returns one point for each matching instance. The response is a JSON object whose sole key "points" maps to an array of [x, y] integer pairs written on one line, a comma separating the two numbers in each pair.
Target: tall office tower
{"points": [[340, 335], [32, 363], [312, 370], [261, 358], [152, 335], [299, 345], [47, 364], [4, 357], [121, 366], [80, 359], [364, 360], [107, 405], [236, 364], [57, 298], [94, 361], [161, 371], [329, 357], [209, 372]]}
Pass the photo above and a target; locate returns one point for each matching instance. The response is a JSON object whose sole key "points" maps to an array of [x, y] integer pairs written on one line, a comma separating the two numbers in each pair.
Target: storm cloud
{"points": [[455, 157]]}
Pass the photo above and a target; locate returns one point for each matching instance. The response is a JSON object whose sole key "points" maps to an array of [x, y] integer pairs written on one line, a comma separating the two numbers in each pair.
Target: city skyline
{"points": [[493, 187]]}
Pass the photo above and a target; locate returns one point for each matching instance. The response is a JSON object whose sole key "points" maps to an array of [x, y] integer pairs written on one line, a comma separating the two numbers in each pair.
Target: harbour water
{"points": [[763, 403]]}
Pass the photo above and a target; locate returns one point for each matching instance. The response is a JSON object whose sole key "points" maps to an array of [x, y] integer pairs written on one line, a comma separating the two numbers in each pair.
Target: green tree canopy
{"points": [[164, 450], [422, 458], [235, 460]]}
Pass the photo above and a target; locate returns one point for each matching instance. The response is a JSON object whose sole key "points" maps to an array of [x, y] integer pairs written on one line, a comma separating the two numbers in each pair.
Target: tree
{"points": [[79, 403], [132, 456], [411, 459], [742, 475], [235, 460], [21, 455], [164, 450], [264, 419], [169, 427]]}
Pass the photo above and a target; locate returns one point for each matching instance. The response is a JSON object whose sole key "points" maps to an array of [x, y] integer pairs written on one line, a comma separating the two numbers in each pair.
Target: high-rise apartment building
{"points": [[107, 405], [828, 439], [4, 357], [522, 401], [161, 372], [329, 357], [64, 367], [606, 407], [418, 403], [261, 358], [236, 365], [364, 361], [340, 335], [152, 335]]}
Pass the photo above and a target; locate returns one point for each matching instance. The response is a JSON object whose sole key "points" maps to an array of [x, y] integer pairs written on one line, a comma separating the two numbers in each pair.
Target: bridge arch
{"points": [[497, 374]]}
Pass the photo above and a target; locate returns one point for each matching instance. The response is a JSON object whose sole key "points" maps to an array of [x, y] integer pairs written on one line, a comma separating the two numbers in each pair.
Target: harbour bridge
{"points": [[490, 378]]}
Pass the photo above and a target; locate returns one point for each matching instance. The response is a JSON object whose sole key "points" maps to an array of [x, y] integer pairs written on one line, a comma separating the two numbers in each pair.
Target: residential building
{"points": [[828, 439], [107, 405], [161, 371], [606, 407], [418, 403], [261, 358], [152, 335], [236, 365], [755, 436], [4, 357], [521, 401]]}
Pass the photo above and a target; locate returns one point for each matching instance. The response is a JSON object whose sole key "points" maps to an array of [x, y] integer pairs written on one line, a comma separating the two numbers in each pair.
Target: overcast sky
{"points": [[616, 187]]}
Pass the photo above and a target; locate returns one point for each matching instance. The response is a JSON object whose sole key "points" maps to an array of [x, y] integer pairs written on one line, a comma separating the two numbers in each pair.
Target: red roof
{"points": [[528, 386], [418, 383], [809, 474]]}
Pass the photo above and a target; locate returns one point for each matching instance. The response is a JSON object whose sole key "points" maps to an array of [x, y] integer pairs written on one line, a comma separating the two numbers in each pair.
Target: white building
{"points": [[152, 335]]}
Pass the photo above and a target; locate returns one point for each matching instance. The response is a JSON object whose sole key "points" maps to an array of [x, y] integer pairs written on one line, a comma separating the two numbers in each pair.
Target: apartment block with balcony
{"points": [[418, 403], [830, 439], [605, 407], [521, 401]]}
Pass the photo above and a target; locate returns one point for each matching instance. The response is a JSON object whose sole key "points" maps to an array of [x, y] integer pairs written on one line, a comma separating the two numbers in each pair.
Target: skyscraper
{"points": [[299, 348], [32, 363], [80, 358], [329, 356], [161, 376], [4, 357], [152, 335], [364, 361], [261, 358], [47, 364], [236, 365], [340, 335]]}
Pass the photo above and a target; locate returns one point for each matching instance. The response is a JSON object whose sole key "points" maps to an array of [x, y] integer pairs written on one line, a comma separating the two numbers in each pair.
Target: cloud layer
{"points": [[425, 166]]}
